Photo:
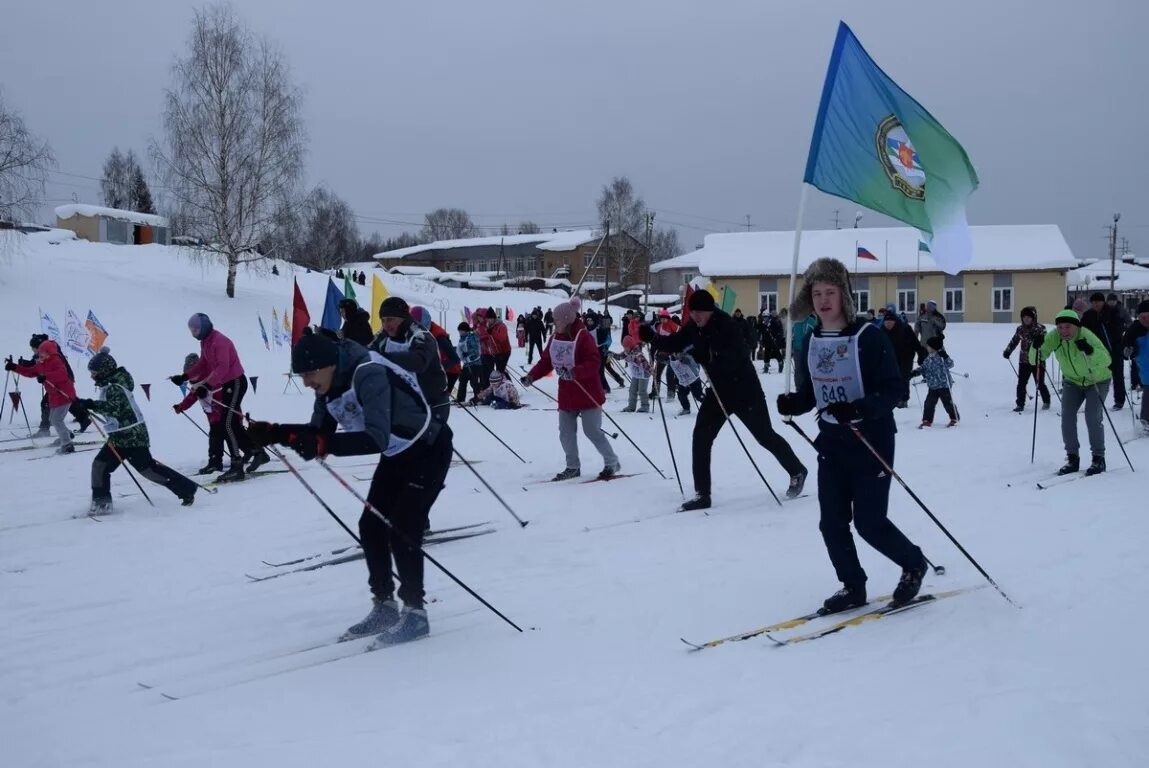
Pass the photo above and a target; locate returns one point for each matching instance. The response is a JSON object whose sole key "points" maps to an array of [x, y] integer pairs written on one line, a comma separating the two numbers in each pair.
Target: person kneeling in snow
{"points": [[501, 395], [127, 437], [381, 409], [934, 370]]}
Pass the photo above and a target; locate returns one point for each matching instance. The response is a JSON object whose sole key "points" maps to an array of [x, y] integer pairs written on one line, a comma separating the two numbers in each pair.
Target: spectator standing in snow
{"points": [[1135, 347], [356, 322], [500, 341], [906, 348], [1105, 323], [930, 323], [535, 329]]}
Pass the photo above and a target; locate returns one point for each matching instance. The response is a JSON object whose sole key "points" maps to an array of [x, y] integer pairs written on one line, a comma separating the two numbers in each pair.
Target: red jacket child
{"points": [[584, 371], [500, 340], [50, 366]]}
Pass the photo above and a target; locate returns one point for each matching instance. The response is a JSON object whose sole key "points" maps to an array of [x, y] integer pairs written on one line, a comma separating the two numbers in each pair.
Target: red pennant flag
{"points": [[686, 302], [510, 314], [300, 317], [147, 391], [15, 401], [255, 384]]}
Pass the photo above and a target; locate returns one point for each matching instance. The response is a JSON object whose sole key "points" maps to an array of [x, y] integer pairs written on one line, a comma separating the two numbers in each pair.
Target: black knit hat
{"points": [[1029, 312], [393, 306], [701, 301], [1098, 296], [1143, 307], [463, 327], [37, 339], [312, 352]]}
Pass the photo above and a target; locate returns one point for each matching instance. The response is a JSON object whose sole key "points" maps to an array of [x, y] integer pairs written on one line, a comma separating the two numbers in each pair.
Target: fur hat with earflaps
{"points": [[829, 271]]}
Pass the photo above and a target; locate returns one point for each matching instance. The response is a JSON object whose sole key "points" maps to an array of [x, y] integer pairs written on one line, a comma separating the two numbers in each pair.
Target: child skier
{"points": [[501, 395], [638, 368], [472, 360], [686, 370], [935, 371], [1029, 335], [49, 370], [216, 436], [127, 437]]}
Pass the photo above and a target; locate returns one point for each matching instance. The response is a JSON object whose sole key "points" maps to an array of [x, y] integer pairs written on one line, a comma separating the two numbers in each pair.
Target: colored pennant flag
{"points": [[75, 334], [48, 326], [875, 145], [712, 289], [263, 332], [147, 388], [510, 315], [97, 334], [348, 288], [686, 300], [255, 384], [286, 328], [729, 297], [467, 314], [15, 401], [301, 318], [331, 319], [923, 246], [378, 294], [276, 329], [865, 254]]}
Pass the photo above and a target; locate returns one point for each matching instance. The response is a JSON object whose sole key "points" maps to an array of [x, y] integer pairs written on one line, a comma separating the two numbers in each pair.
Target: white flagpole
{"points": [[793, 279]]}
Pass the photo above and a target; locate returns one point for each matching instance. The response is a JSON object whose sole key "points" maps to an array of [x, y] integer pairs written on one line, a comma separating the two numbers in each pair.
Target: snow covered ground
{"points": [[604, 581]]}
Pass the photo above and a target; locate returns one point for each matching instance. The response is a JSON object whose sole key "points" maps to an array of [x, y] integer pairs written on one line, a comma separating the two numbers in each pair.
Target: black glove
{"points": [[646, 333], [85, 403], [40, 379], [178, 379], [264, 433], [9, 365], [308, 443], [526, 381], [202, 391], [843, 413], [943, 354], [1005, 354], [1084, 346], [788, 404], [23, 362]]}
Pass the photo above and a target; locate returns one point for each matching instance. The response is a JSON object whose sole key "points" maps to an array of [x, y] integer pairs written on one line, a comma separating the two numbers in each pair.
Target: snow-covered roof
{"points": [[1010, 247], [415, 271], [548, 241], [568, 241], [1095, 276], [685, 261], [465, 277], [78, 209], [592, 285]]}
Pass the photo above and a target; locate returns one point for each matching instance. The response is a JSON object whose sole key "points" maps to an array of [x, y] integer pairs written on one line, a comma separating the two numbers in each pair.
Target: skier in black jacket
{"points": [[906, 350], [1029, 335], [1107, 325], [535, 331], [716, 342], [356, 322], [852, 483]]}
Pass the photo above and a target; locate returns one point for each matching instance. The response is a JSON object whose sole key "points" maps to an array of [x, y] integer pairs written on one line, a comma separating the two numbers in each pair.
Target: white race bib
{"points": [[683, 372], [348, 411], [835, 371]]}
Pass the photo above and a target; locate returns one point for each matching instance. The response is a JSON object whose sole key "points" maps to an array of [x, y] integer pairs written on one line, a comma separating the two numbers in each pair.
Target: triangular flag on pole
{"points": [[864, 253], [378, 294], [263, 332], [255, 384], [331, 319], [15, 401], [97, 334], [467, 314], [301, 318], [686, 301], [348, 290], [729, 298], [147, 388]]}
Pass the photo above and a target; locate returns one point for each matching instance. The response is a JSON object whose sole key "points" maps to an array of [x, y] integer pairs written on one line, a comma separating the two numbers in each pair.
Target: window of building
{"points": [[1002, 299], [908, 300], [687, 277], [862, 300], [586, 257], [768, 301], [955, 300]]}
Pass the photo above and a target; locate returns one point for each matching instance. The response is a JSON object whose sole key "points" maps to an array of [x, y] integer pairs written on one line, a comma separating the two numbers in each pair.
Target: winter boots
{"points": [[65, 449], [411, 625], [233, 475], [701, 501], [383, 616], [1097, 467], [210, 468], [844, 599], [797, 483], [628, 409], [925, 424], [609, 471], [567, 474], [1072, 464], [685, 411], [258, 459], [100, 507], [910, 583], [1019, 409]]}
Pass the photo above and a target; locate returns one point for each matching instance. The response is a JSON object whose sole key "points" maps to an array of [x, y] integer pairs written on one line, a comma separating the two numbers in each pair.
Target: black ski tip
{"points": [[524, 523], [692, 646]]}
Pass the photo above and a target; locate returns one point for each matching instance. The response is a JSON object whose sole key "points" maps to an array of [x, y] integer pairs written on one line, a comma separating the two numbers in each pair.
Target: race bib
{"points": [[835, 371]]}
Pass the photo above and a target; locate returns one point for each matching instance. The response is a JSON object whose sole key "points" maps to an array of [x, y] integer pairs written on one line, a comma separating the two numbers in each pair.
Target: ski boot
{"points": [[925, 424], [1045, 406], [684, 412], [643, 409], [100, 507], [384, 615], [797, 483], [55, 443], [210, 468], [65, 449], [701, 501], [953, 423], [42, 432], [83, 425], [1097, 467], [411, 625], [910, 583], [627, 409], [1019, 409], [844, 599], [609, 471], [258, 459], [233, 475], [567, 474], [1072, 464]]}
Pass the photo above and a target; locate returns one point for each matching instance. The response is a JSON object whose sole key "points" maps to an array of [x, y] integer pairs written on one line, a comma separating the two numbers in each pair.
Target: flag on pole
{"points": [[348, 289], [286, 328], [48, 326], [875, 145], [15, 401], [255, 385], [147, 388], [75, 334], [729, 297], [923, 246], [865, 254], [510, 315], [331, 319], [276, 329], [263, 332], [378, 293], [97, 334], [301, 318], [467, 314]]}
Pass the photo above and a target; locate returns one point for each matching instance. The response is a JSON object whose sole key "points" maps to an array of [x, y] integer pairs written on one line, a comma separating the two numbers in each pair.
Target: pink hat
{"points": [[565, 313], [629, 343]]}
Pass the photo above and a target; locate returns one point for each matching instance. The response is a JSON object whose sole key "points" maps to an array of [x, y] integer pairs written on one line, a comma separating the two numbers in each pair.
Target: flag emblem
{"points": [[900, 159]]}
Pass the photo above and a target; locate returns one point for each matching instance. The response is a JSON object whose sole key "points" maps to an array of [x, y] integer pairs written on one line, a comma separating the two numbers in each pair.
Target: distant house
{"points": [[112, 225], [1131, 285], [1013, 266], [672, 275]]}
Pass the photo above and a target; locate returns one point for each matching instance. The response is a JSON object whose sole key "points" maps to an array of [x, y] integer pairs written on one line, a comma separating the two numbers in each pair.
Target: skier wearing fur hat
{"points": [[127, 437], [1029, 336], [381, 409], [573, 354], [848, 371], [716, 342], [219, 371]]}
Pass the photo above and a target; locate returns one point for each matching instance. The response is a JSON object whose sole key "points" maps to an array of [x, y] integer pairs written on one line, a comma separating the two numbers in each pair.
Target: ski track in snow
{"points": [[89, 610]]}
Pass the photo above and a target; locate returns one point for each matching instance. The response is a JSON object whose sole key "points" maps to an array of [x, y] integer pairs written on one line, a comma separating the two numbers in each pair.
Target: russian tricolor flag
{"points": [[865, 254]]}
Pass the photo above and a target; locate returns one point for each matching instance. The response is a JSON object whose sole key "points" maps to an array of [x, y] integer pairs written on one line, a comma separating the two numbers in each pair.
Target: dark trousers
{"points": [[471, 375], [684, 393], [106, 463], [533, 343], [231, 394], [216, 440], [661, 366], [1024, 371], [905, 367], [487, 365], [452, 379], [604, 369], [853, 485], [501, 363], [932, 402], [752, 412], [403, 489], [1118, 368], [79, 413]]}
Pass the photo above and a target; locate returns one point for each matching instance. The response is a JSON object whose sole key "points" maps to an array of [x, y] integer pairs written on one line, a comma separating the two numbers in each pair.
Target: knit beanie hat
{"points": [[102, 363], [701, 301], [1143, 307], [393, 306], [565, 313], [1097, 296], [495, 377], [463, 328], [421, 316], [37, 339], [200, 325], [829, 271], [190, 360], [312, 352], [1068, 316]]}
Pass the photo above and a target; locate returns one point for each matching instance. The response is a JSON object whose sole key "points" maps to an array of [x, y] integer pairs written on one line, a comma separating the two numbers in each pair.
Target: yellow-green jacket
{"points": [[1076, 366]]}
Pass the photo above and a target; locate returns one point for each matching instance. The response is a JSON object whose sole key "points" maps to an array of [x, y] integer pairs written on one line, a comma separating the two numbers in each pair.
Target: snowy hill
{"points": [[604, 581]]}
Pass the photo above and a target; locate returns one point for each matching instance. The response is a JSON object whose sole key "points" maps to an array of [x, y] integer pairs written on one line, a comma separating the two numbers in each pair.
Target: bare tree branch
{"points": [[25, 161]]}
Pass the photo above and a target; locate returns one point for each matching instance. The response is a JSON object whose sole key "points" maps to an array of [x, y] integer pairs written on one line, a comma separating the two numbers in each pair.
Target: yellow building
{"points": [[1013, 266]]}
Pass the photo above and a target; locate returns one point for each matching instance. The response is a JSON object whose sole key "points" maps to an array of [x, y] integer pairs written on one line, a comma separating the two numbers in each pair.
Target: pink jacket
{"points": [[218, 362]]}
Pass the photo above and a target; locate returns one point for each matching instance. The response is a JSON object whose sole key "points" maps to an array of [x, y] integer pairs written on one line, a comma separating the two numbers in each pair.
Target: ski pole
{"points": [[7, 378], [196, 423], [1112, 426], [621, 430], [611, 435], [940, 570], [885, 465], [1033, 445], [290, 468], [411, 545], [746, 450], [96, 423], [522, 523], [670, 445], [492, 433]]}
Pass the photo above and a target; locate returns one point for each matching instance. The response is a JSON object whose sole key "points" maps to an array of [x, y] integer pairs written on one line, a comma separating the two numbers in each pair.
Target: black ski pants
{"points": [[216, 440], [403, 489], [853, 485], [751, 410], [1118, 369], [106, 462], [472, 374], [932, 403], [231, 394], [533, 343], [684, 394], [905, 368], [1024, 372]]}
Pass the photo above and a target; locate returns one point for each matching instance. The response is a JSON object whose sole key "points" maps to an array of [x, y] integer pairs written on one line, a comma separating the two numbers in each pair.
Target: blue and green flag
{"points": [[877, 146]]}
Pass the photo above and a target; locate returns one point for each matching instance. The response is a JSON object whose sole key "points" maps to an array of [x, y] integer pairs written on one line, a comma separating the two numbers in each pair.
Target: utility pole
{"points": [[747, 222], [649, 242], [1113, 254], [606, 269], [836, 219]]}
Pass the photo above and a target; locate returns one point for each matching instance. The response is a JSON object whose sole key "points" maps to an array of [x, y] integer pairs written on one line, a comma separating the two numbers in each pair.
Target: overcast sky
{"points": [[523, 109]]}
